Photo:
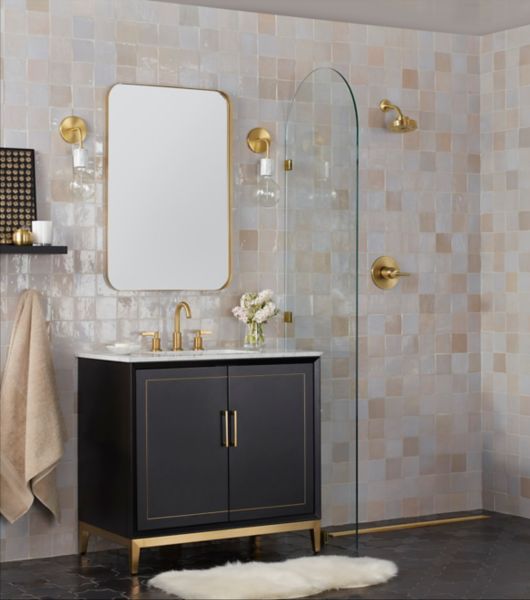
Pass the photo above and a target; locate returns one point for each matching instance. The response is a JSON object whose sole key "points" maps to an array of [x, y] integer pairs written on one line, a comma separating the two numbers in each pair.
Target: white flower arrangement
{"points": [[256, 308]]}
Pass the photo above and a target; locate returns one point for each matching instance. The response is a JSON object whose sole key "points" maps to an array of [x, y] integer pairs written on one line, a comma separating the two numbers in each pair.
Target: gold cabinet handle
{"points": [[224, 418], [234, 428], [155, 343]]}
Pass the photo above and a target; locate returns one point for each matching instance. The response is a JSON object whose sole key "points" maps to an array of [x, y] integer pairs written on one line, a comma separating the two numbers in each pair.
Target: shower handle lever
{"points": [[391, 273], [386, 273]]}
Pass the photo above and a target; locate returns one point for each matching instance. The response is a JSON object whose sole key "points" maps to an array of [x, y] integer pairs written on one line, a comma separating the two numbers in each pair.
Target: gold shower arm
{"points": [[401, 124], [385, 105]]}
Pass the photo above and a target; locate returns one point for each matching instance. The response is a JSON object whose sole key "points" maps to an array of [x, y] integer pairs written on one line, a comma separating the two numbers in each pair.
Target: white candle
{"points": [[42, 233]]}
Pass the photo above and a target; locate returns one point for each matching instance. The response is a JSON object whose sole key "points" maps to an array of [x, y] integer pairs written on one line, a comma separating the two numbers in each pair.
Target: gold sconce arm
{"points": [[80, 136], [259, 141], [73, 130], [267, 192]]}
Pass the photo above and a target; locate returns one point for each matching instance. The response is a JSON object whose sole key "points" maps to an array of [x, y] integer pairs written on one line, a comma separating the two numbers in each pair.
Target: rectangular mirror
{"points": [[168, 188]]}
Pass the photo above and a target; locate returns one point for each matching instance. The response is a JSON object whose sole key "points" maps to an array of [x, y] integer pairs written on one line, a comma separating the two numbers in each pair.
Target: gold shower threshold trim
{"points": [[400, 526]]}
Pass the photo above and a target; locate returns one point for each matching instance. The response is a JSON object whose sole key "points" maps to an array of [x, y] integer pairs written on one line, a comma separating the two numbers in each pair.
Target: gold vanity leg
{"points": [[84, 535], [316, 537], [134, 557]]}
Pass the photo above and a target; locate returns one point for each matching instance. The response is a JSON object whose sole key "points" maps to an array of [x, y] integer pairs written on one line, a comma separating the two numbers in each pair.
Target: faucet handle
{"points": [[155, 343], [198, 341]]}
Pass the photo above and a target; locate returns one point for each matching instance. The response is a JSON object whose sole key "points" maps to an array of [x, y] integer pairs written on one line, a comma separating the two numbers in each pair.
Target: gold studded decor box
{"points": [[18, 202]]}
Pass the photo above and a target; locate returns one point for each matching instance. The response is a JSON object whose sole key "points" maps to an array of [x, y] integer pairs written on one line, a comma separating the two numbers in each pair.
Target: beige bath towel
{"points": [[31, 427]]}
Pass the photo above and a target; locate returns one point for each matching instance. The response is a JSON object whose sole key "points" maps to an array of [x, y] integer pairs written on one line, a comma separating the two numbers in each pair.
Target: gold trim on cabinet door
{"points": [[304, 399], [147, 381], [234, 444], [185, 378]]}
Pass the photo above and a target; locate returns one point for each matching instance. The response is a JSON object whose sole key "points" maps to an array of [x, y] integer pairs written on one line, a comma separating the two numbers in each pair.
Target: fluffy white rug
{"points": [[294, 578]]}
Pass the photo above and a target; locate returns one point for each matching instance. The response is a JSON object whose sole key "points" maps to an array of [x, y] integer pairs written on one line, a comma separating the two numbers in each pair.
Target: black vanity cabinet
{"points": [[175, 452]]}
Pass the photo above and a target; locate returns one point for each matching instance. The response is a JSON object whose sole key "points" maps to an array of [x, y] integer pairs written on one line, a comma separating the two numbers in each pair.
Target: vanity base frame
{"points": [[135, 545]]}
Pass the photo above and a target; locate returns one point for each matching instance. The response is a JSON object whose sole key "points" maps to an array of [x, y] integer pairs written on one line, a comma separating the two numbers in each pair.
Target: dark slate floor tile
{"points": [[477, 560]]}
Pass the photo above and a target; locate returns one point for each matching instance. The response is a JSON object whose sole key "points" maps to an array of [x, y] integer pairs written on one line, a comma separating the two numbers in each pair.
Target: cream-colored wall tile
{"points": [[505, 240], [419, 203]]}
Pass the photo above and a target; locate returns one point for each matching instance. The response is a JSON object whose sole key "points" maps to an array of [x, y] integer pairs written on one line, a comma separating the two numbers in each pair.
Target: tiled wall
{"points": [[505, 227], [420, 344]]}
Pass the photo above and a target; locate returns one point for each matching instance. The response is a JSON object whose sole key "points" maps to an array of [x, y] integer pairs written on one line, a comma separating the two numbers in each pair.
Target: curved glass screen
{"points": [[321, 265]]}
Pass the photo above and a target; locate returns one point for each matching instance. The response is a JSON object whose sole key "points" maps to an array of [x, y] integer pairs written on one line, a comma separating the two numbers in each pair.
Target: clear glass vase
{"points": [[254, 337]]}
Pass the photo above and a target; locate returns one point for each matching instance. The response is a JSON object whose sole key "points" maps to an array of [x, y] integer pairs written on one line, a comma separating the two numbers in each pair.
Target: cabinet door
{"points": [[182, 458], [272, 465]]}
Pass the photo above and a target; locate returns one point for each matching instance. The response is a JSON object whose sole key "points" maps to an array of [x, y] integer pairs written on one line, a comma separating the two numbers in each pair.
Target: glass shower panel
{"points": [[321, 260]]}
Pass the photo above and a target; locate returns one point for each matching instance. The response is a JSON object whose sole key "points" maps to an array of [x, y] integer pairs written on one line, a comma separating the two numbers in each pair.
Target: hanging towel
{"points": [[31, 426]]}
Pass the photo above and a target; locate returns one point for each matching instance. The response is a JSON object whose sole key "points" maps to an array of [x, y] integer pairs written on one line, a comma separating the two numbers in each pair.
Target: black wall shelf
{"points": [[12, 249]]}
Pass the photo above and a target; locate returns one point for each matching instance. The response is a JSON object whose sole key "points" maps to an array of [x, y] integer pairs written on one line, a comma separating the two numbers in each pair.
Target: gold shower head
{"points": [[401, 124]]}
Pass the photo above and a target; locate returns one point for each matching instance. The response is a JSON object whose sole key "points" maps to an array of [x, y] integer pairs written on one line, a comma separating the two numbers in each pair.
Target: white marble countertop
{"points": [[190, 355]]}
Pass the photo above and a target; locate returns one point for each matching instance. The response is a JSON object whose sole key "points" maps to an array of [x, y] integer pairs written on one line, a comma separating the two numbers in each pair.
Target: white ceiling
{"points": [[454, 16]]}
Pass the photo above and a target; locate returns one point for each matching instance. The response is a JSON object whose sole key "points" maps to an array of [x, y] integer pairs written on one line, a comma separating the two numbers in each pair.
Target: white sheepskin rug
{"points": [[294, 578]]}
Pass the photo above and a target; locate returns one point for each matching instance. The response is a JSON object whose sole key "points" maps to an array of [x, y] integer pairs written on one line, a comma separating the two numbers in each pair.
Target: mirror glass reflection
{"points": [[168, 188]]}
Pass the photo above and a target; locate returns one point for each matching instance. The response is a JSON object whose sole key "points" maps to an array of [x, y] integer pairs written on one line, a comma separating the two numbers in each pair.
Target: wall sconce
{"points": [[401, 124], [267, 191], [73, 130]]}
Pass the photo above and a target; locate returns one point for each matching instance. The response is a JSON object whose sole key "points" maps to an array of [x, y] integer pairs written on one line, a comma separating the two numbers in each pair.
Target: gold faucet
{"points": [[177, 335], [155, 343], [198, 342]]}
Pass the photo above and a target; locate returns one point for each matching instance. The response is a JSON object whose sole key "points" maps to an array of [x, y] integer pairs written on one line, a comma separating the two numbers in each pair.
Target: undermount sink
{"points": [[198, 352]]}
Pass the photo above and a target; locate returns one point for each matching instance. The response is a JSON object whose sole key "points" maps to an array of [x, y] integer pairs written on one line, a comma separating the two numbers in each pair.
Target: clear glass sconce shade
{"points": [[323, 190], [83, 184], [267, 191]]}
